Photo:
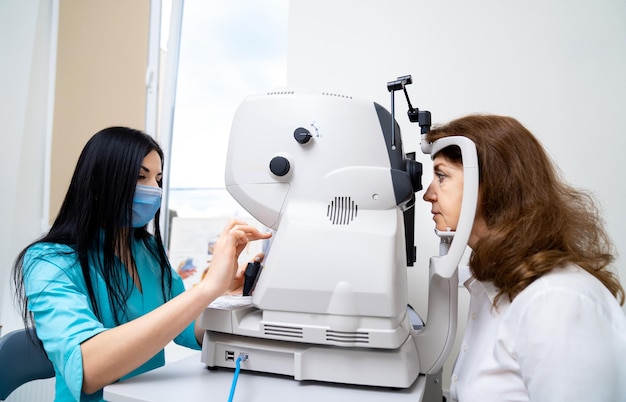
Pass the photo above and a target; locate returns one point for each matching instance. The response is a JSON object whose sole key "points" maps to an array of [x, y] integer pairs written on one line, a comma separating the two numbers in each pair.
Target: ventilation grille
{"points": [[342, 210], [336, 95], [347, 337], [282, 331], [331, 336], [280, 93]]}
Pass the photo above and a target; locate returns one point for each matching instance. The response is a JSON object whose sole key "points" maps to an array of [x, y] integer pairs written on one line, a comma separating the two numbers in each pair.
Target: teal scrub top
{"points": [[64, 317]]}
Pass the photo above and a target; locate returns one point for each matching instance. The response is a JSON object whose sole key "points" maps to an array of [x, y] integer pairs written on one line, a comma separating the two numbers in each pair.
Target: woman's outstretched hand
{"points": [[224, 267]]}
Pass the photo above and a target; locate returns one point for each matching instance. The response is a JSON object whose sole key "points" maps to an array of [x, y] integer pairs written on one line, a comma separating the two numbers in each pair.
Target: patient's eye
{"points": [[440, 176]]}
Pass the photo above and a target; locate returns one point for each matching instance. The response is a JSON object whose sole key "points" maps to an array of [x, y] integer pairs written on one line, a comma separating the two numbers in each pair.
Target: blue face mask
{"points": [[146, 203]]}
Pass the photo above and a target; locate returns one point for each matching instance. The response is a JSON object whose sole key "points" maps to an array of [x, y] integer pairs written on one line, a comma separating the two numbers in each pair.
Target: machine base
{"points": [[395, 368]]}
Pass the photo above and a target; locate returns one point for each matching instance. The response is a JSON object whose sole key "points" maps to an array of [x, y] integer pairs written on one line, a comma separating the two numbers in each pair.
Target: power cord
{"points": [[241, 358]]}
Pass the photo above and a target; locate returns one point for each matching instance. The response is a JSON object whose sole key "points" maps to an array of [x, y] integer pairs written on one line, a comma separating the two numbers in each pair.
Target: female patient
{"points": [[98, 285], [544, 319]]}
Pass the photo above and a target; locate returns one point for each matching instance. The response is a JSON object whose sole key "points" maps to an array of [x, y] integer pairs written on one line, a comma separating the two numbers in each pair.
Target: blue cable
{"points": [[241, 357]]}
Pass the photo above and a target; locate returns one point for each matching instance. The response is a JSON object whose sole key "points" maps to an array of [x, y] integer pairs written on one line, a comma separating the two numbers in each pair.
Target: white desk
{"points": [[189, 380]]}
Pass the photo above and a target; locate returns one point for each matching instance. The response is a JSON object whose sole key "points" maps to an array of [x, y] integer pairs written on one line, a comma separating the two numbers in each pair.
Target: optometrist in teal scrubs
{"points": [[98, 286]]}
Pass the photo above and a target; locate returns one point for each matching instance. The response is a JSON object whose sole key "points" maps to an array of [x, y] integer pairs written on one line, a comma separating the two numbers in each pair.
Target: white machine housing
{"points": [[323, 170]]}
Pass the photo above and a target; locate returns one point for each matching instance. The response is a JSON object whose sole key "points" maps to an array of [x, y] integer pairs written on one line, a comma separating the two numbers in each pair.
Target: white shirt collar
{"points": [[475, 286]]}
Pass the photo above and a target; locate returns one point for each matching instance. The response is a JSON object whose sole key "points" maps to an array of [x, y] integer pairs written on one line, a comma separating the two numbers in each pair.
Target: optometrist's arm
{"points": [[114, 353]]}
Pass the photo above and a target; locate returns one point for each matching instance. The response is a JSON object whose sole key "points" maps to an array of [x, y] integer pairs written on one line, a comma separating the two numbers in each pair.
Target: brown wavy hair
{"points": [[535, 221]]}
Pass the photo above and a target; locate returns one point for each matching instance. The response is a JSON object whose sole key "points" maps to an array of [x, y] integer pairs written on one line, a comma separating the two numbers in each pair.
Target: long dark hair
{"points": [[535, 221], [94, 219]]}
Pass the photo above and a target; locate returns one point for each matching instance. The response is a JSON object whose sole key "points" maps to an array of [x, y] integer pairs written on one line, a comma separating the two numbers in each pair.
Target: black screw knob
{"points": [[302, 135], [279, 165]]}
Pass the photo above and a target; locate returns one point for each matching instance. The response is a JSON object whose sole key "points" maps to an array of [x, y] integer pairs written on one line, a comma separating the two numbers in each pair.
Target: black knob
{"points": [[302, 135], [414, 169], [279, 165], [250, 276]]}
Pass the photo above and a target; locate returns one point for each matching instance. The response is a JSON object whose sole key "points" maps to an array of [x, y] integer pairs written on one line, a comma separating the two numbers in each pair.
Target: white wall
{"points": [[558, 66], [25, 32]]}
